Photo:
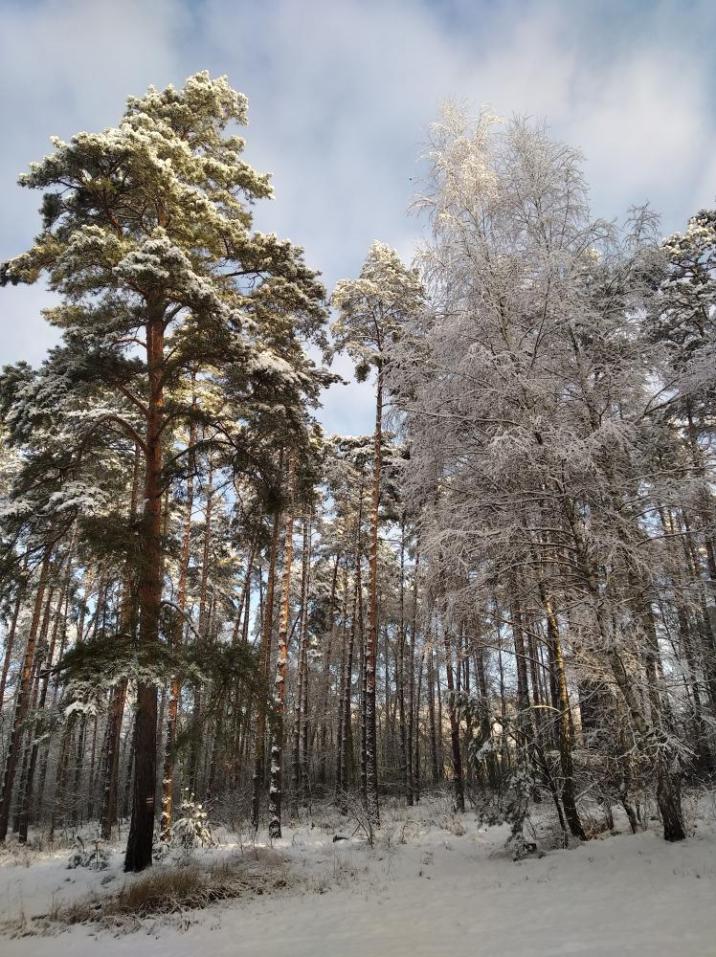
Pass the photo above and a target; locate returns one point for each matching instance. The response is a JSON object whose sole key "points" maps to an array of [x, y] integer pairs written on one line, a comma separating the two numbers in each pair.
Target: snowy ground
{"points": [[441, 892]]}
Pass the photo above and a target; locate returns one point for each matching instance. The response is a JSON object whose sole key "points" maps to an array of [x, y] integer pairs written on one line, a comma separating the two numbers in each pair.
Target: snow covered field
{"points": [[441, 892]]}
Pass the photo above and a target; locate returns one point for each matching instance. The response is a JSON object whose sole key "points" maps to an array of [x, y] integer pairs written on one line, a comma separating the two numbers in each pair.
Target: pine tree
{"points": [[371, 310], [147, 237]]}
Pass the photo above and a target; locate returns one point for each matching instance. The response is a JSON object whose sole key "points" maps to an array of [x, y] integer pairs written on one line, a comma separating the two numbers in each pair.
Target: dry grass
{"points": [[164, 891], [454, 825], [262, 855]]}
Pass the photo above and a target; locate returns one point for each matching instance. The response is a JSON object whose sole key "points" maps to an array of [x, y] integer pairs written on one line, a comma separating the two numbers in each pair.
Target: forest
{"points": [[215, 616]]}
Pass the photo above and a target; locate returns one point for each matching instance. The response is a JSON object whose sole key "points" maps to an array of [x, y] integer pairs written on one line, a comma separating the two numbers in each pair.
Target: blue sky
{"points": [[341, 95]]}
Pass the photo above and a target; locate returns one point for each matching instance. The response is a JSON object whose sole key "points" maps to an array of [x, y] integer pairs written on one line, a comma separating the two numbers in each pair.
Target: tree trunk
{"points": [[405, 774], [458, 783], [355, 630], [668, 789], [371, 650], [141, 831], [413, 703], [279, 702], [320, 724], [566, 739], [22, 700], [434, 759], [108, 817], [265, 665], [300, 750], [417, 781], [10, 641], [194, 771], [175, 686], [44, 681]]}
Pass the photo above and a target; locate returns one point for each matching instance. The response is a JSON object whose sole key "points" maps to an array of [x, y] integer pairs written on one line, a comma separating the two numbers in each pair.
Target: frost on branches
{"points": [[190, 828]]}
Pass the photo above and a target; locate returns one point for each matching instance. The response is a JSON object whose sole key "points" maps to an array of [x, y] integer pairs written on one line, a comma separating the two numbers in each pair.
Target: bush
{"points": [[96, 858]]}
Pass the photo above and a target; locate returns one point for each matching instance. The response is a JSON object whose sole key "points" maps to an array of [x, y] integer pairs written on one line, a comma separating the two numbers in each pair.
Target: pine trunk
{"points": [[300, 756], [279, 702], [22, 700], [10, 642], [175, 687], [371, 649], [141, 832], [265, 665]]}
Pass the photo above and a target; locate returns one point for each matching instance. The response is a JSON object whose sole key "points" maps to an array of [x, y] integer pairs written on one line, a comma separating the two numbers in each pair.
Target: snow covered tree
{"points": [[683, 315], [681, 325], [147, 238], [371, 312], [526, 397]]}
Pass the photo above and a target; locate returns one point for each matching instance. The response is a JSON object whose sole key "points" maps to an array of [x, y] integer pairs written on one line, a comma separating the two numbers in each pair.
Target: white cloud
{"points": [[644, 134], [68, 65], [341, 94], [25, 333]]}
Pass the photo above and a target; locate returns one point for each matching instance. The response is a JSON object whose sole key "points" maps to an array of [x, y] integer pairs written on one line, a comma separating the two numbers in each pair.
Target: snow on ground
{"points": [[440, 893]]}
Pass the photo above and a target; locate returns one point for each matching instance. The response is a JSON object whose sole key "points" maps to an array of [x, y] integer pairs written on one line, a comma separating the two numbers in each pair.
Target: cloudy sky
{"points": [[341, 94]]}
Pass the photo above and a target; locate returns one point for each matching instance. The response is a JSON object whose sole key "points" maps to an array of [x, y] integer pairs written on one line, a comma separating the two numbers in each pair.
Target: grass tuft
{"points": [[172, 890]]}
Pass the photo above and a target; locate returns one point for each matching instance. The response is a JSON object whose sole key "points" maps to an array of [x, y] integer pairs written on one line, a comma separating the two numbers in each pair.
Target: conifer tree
{"points": [[371, 310], [147, 238]]}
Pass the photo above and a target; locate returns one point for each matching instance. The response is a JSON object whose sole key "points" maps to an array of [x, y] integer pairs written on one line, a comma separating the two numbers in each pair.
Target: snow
{"points": [[441, 892]]}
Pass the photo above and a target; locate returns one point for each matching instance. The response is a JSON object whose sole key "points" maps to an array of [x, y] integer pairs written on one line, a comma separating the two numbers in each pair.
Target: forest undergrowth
{"points": [[326, 852]]}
